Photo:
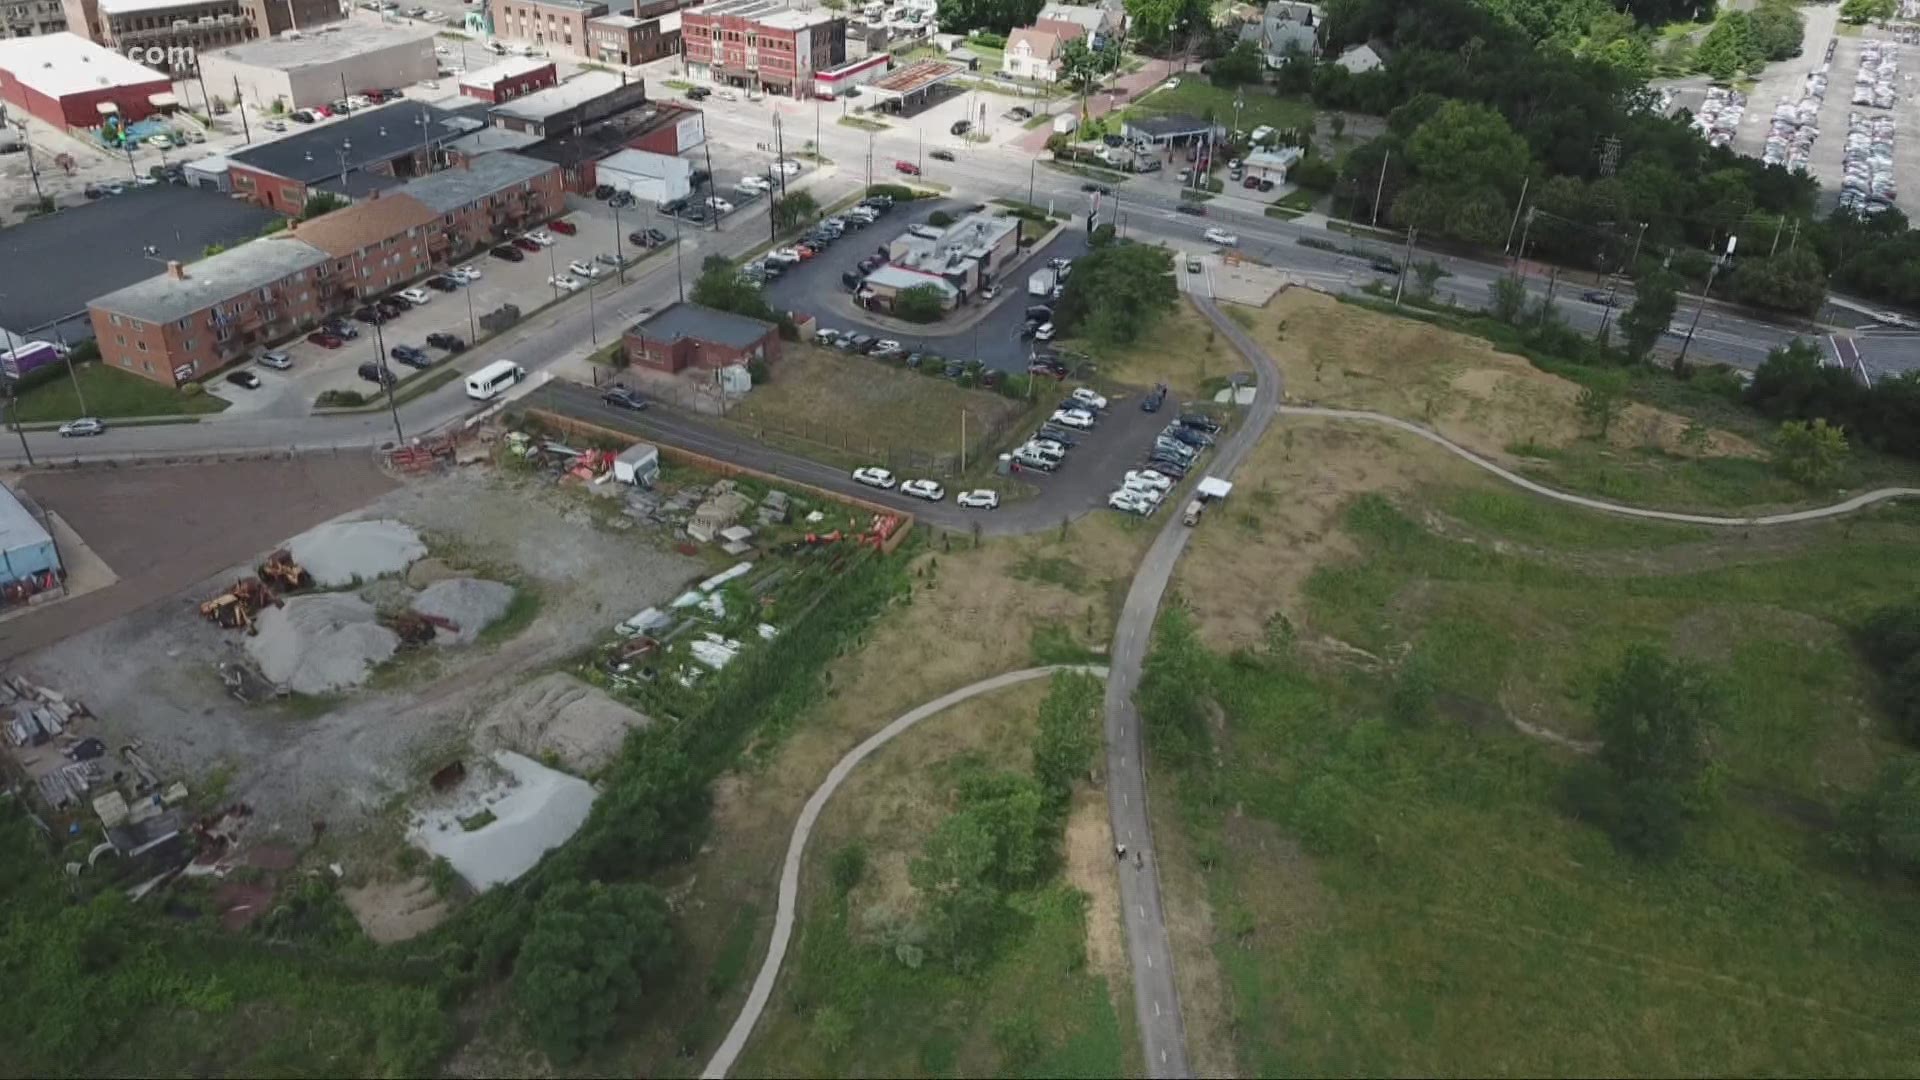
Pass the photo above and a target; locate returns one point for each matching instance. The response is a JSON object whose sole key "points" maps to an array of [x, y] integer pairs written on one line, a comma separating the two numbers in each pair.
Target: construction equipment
{"points": [[281, 572], [234, 609]]}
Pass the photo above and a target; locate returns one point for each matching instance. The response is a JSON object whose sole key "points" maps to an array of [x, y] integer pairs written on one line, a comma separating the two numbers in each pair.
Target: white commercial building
{"points": [[649, 177], [302, 68]]}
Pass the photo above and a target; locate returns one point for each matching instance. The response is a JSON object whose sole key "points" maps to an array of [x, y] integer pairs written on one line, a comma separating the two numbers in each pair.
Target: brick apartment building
{"points": [[762, 44], [197, 318], [509, 79], [687, 335]]}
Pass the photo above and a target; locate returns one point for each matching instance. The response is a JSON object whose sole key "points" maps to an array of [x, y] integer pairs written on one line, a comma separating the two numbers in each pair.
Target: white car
{"points": [[86, 425], [979, 499], [1088, 398], [466, 273], [1144, 494], [585, 269], [1221, 237], [787, 167], [720, 205], [752, 185], [874, 476], [416, 296], [1073, 418], [1147, 478], [923, 489], [159, 142], [541, 237], [565, 281], [1045, 333], [1129, 502], [886, 345], [1170, 84], [1049, 446]]}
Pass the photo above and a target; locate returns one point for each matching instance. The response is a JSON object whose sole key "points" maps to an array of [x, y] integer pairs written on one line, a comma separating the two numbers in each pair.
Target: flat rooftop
{"points": [[328, 44], [450, 189], [129, 7], [576, 91], [488, 77], [774, 13], [82, 251], [18, 527], [917, 76], [370, 135], [61, 64], [165, 298]]}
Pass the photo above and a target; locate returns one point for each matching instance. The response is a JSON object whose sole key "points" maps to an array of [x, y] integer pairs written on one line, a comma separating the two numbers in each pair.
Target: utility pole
{"points": [[13, 402], [1031, 166], [1520, 253], [679, 278], [386, 382], [1680, 362], [593, 328], [1401, 285], [1613, 286], [920, 158], [963, 442], [707, 144], [473, 327], [343, 94], [240, 107], [1525, 181], [1378, 188], [619, 256]]}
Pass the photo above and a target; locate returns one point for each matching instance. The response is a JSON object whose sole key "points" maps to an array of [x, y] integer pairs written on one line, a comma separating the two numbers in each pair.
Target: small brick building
{"points": [[688, 335], [509, 79]]}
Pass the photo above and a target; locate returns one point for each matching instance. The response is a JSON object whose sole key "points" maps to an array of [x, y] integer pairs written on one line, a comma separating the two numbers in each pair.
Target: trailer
{"points": [[1042, 281]]}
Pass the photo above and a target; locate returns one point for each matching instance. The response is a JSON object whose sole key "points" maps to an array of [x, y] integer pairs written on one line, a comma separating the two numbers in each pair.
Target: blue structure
{"points": [[26, 550]]}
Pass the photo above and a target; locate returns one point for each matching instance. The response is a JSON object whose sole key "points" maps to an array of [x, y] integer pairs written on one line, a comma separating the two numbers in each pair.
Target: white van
{"points": [[495, 377]]}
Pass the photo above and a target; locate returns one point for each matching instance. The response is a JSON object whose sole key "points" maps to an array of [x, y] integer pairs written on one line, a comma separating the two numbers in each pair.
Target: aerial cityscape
{"points": [[959, 537]]}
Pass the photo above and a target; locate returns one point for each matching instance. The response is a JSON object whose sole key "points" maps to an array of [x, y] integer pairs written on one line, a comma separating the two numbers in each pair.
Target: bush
{"points": [[920, 304], [1314, 174], [339, 399], [988, 40], [587, 957], [939, 219], [898, 192]]}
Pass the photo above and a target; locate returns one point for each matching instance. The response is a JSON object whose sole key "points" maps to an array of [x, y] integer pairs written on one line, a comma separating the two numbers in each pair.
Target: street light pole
{"points": [[13, 402], [387, 380], [679, 277], [1680, 362], [619, 256], [473, 328]]}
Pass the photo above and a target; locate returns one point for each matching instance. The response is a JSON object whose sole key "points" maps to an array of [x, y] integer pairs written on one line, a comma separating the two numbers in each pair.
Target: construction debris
{"points": [[321, 644], [464, 606]]}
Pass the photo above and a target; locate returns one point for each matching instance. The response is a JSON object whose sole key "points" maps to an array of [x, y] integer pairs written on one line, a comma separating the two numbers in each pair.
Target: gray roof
{"points": [[358, 185], [450, 189], [18, 527], [162, 298], [554, 100], [375, 135], [490, 139], [326, 44], [688, 320], [82, 251]]}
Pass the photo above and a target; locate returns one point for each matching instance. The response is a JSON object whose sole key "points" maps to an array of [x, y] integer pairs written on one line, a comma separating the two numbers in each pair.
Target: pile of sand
{"points": [[557, 714], [472, 604], [340, 553], [320, 644]]}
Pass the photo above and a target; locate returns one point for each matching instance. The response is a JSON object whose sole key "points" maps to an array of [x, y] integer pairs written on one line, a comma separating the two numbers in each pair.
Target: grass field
{"points": [[866, 411], [1182, 350], [109, 393], [1391, 897], [1195, 96]]}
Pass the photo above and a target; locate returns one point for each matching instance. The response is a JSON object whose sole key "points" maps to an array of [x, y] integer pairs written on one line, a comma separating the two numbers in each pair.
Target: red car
{"points": [[906, 167], [326, 340], [563, 226], [525, 244]]}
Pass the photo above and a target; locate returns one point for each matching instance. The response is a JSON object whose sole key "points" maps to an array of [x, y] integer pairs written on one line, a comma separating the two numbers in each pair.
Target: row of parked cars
{"points": [[1175, 451], [874, 476], [1047, 449], [821, 237]]}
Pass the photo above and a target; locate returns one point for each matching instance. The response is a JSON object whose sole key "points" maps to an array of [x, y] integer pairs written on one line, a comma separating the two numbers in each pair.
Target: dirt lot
{"points": [[151, 675], [1345, 356], [162, 529], [871, 410]]}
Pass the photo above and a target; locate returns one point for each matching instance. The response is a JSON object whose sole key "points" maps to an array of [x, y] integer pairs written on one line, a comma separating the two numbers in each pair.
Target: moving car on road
{"points": [[923, 489], [1217, 235], [622, 398], [411, 355], [979, 499], [940, 155], [443, 340], [907, 168], [84, 426], [874, 477]]}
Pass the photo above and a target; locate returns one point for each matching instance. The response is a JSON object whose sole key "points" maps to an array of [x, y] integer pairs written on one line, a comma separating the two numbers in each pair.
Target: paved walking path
{"points": [[736, 1039]]}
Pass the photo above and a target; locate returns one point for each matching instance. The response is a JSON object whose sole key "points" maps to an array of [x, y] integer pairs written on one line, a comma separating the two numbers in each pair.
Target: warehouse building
{"points": [[303, 68], [369, 151], [509, 79], [70, 82], [29, 562], [649, 177], [660, 128], [581, 100]]}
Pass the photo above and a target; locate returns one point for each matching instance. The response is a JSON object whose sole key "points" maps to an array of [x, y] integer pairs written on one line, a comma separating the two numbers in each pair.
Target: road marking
{"points": [[1163, 1057], [1123, 798], [1142, 909], [1149, 959], [1156, 1008]]}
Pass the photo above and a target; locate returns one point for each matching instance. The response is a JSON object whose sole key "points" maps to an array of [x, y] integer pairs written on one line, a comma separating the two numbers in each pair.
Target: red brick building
{"points": [[762, 44], [70, 82], [195, 319], [639, 38], [686, 335], [509, 79]]}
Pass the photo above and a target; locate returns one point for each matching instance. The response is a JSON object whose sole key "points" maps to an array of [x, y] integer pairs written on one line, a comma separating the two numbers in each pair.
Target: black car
{"points": [[387, 309], [852, 279], [376, 373], [1097, 188], [673, 206], [603, 192], [1200, 421], [442, 282], [1041, 312], [622, 398], [698, 93], [871, 263], [639, 239], [656, 236], [411, 356], [508, 252], [1113, 140], [341, 107], [1193, 437], [1167, 466], [1192, 208], [961, 127], [940, 155], [621, 200], [1058, 434], [1384, 266], [340, 328], [1030, 328], [369, 315], [449, 342], [245, 379], [1153, 401], [396, 300]]}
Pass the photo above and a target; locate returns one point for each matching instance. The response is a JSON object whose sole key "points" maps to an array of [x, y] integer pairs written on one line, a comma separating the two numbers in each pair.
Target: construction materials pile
{"points": [[342, 553], [321, 644], [557, 717], [463, 606]]}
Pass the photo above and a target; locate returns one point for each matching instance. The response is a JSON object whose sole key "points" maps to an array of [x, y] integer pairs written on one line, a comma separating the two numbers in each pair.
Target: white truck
{"points": [[1042, 281], [1065, 124]]}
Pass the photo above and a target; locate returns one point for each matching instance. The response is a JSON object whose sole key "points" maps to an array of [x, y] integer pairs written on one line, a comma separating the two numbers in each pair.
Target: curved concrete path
{"points": [[736, 1040], [1791, 517]]}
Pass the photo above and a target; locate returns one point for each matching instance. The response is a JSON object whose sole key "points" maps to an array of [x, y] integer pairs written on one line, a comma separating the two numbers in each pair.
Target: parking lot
{"points": [[815, 287]]}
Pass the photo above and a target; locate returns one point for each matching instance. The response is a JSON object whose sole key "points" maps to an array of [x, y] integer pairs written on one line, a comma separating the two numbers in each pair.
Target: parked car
{"points": [[979, 499], [1147, 478], [923, 489], [443, 282], [940, 155], [582, 268], [468, 274], [377, 373], [621, 200], [526, 243], [873, 476], [1192, 208], [280, 361], [367, 314], [244, 379], [906, 167], [449, 342], [698, 93], [656, 236], [322, 338], [563, 227], [1089, 398], [507, 252], [565, 281], [1039, 313], [410, 355], [396, 302], [541, 237], [1154, 399], [622, 398], [960, 127], [1073, 418], [1201, 421], [416, 296], [1019, 112], [84, 426], [1043, 332], [603, 192]]}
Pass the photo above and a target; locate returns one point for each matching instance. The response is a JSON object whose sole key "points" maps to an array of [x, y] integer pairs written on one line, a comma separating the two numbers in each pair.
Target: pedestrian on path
{"points": [[1120, 852]]}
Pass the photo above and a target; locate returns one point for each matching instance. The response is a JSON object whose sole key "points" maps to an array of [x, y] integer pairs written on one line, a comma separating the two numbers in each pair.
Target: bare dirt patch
{"points": [[392, 911], [1345, 356], [1090, 868], [559, 718]]}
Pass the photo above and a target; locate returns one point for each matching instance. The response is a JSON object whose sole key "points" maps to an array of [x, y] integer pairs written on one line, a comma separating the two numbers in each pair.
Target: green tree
{"points": [[1655, 717], [1069, 733], [1654, 304], [1157, 25], [1789, 281], [322, 202], [1241, 65], [722, 287], [964, 908], [997, 16], [1810, 452], [1778, 30], [1890, 636], [794, 209], [588, 956], [1117, 292], [1601, 401], [1466, 145], [1507, 298], [1866, 11], [1728, 48], [1880, 827], [920, 303]]}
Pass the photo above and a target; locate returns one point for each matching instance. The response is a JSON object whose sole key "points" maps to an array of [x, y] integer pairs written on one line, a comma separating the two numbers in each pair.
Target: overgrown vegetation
{"points": [[1117, 293]]}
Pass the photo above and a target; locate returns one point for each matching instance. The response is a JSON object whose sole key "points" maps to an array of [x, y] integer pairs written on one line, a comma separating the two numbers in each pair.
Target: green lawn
{"points": [[109, 393], [1198, 97], [1412, 897]]}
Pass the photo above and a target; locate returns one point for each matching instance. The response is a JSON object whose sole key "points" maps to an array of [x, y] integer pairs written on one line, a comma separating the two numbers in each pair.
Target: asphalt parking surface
{"points": [[814, 288]]}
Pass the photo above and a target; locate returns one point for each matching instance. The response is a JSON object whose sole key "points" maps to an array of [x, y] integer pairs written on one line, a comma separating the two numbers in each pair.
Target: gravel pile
{"points": [[320, 644], [342, 552], [472, 604]]}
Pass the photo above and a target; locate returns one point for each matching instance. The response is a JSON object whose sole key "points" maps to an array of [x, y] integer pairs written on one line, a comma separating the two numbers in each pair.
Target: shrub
{"points": [[921, 304], [939, 219], [898, 192]]}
